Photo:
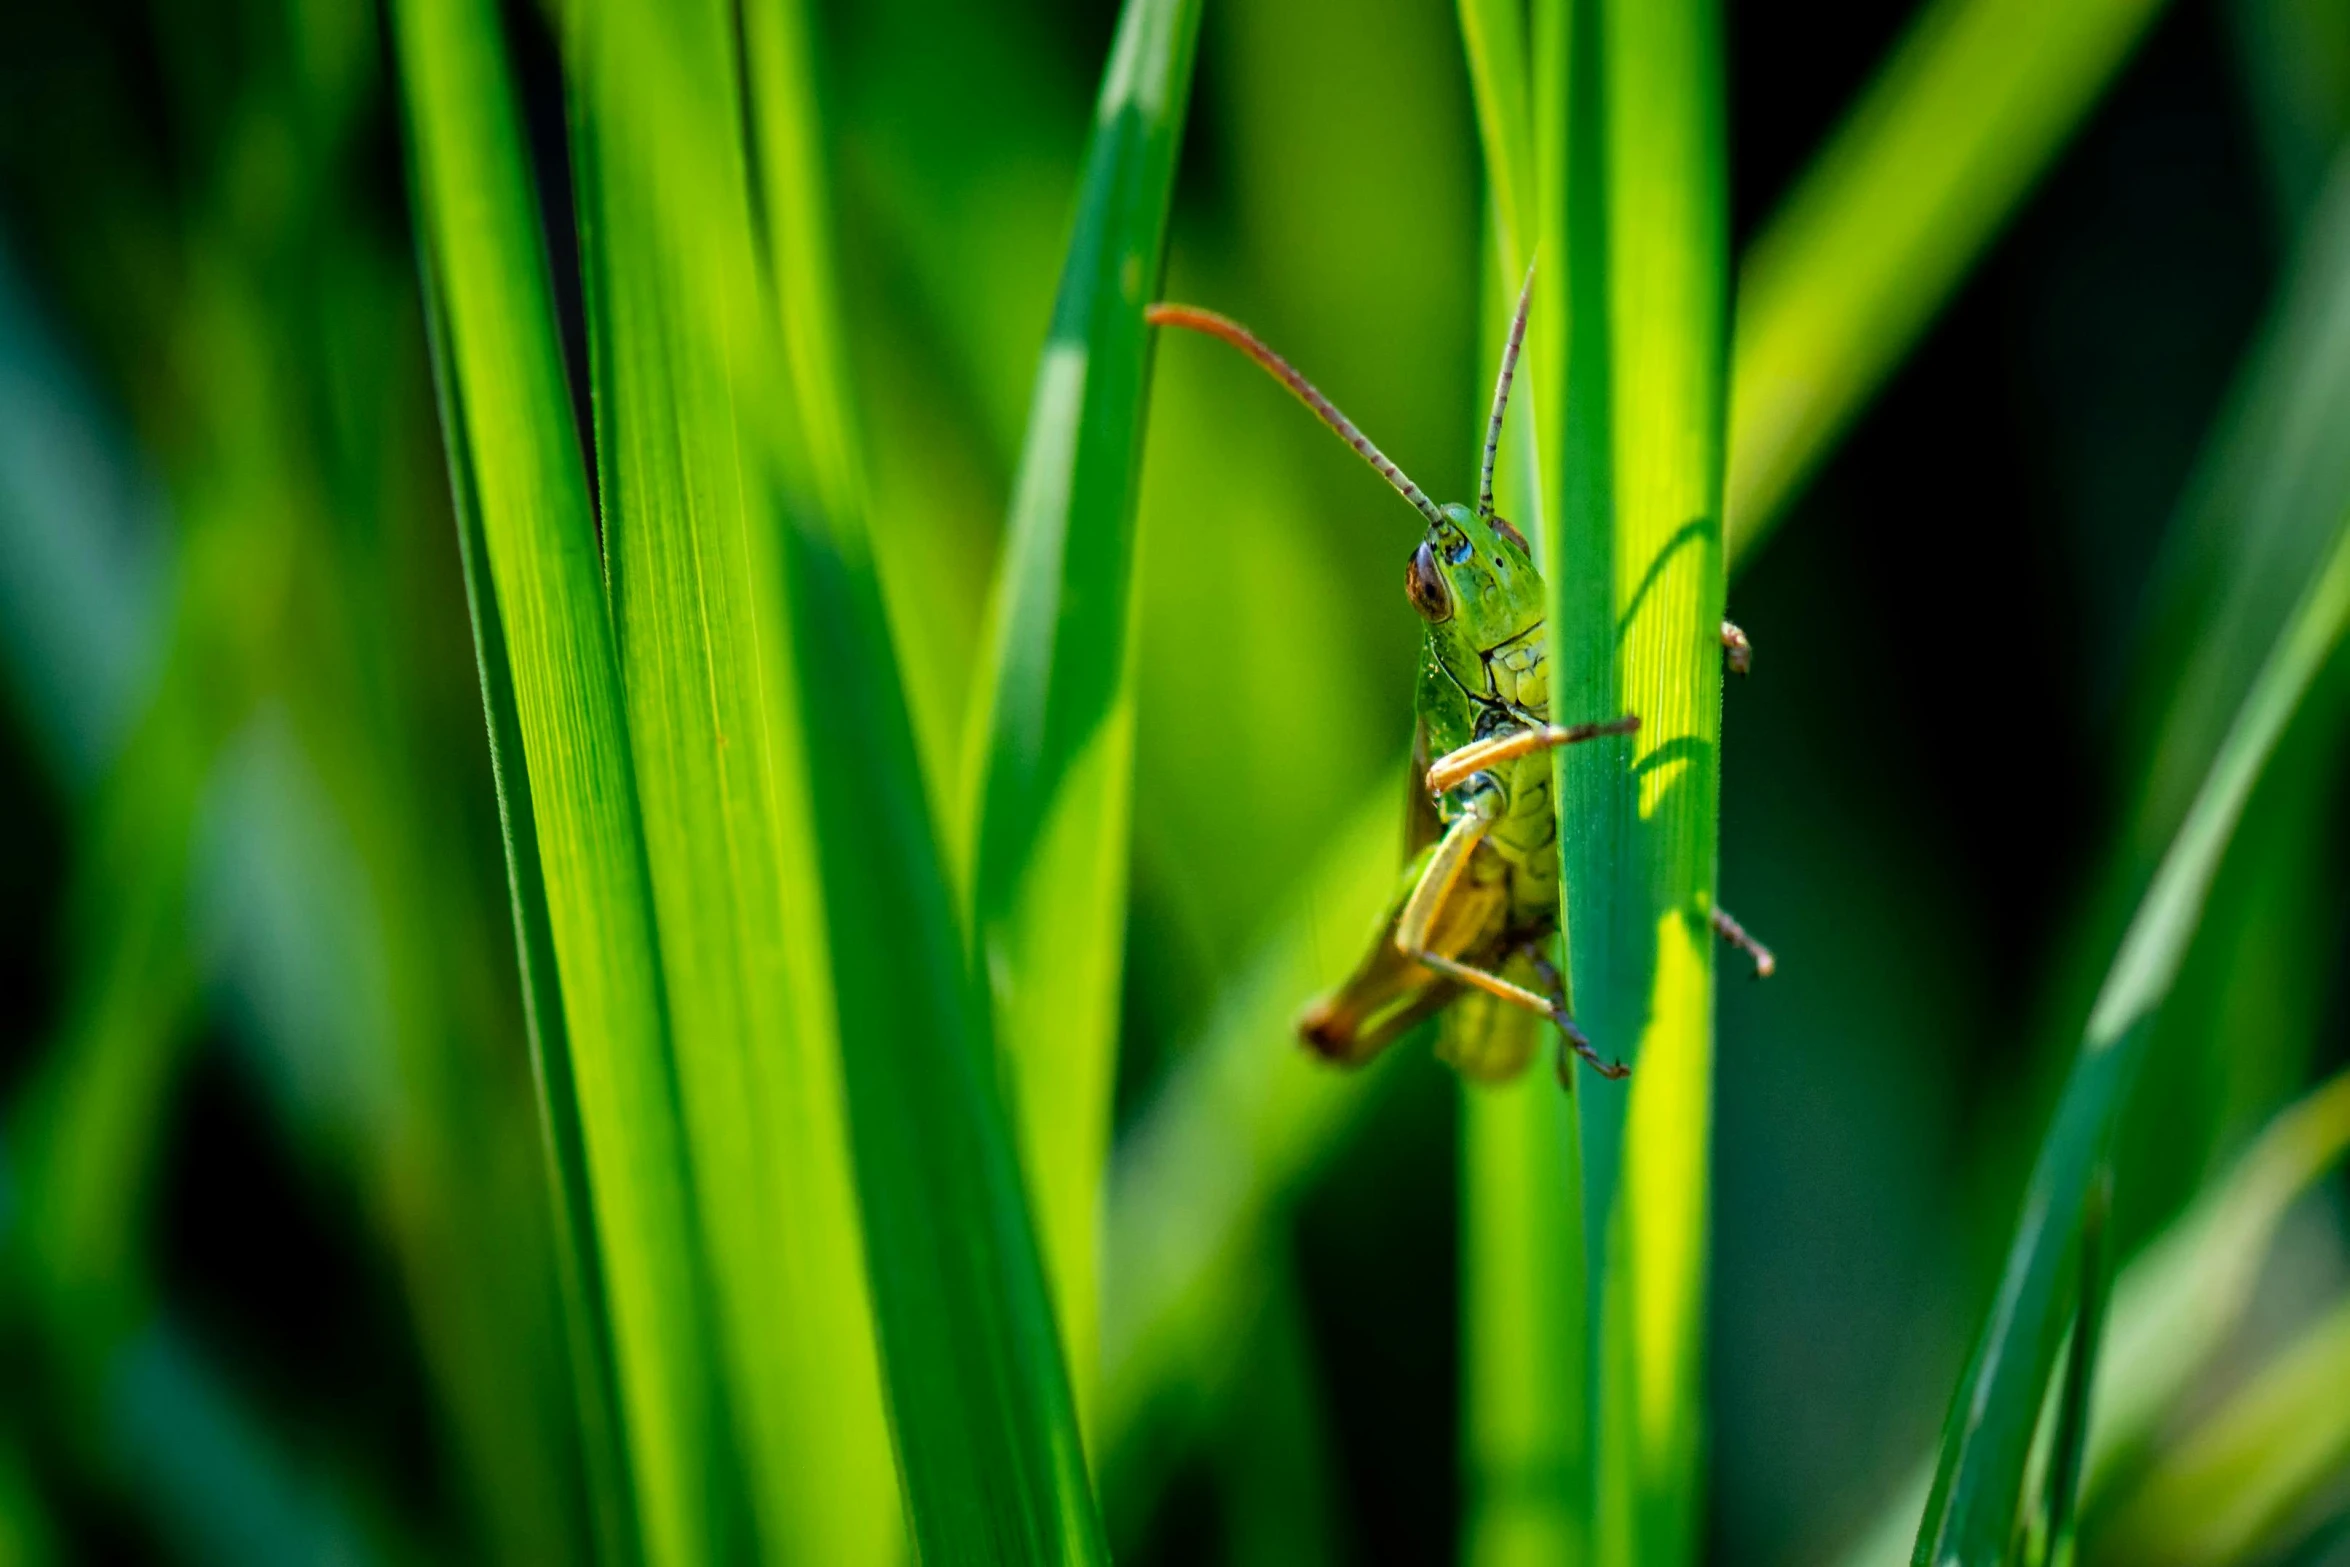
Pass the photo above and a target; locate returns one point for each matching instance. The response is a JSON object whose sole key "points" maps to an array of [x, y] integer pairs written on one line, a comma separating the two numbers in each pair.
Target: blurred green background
{"points": [[276, 1281]]}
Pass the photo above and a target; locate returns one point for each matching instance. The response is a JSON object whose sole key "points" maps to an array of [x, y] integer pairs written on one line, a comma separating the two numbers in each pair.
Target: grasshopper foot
{"points": [[1737, 649], [1765, 965], [1571, 1039]]}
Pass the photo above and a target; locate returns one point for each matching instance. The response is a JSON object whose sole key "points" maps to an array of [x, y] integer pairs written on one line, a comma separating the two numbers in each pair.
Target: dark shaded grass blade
{"points": [[478, 227], [1054, 771], [2062, 1507], [1970, 1516]]}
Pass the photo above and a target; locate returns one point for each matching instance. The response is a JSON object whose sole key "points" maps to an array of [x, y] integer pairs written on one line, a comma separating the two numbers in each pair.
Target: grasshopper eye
{"points": [[1502, 527], [1424, 585]]}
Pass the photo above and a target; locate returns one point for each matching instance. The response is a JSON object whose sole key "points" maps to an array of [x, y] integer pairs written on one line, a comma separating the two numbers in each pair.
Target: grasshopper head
{"points": [[1473, 581]]}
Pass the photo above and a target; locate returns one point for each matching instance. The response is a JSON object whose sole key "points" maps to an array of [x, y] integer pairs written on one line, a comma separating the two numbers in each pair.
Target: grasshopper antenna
{"points": [[1501, 394], [1192, 318]]}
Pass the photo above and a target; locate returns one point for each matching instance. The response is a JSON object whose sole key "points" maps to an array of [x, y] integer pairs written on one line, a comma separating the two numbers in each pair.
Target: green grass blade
{"points": [[1054, 785], [478, 222], [2061, 1509], [579, 1275], [1635, 568], [1971, 1513], [677, 327], [1493, 34], [2236, 1483], [1926, 168], [1524, 1350], [2174, 1307], [986, 1430]]}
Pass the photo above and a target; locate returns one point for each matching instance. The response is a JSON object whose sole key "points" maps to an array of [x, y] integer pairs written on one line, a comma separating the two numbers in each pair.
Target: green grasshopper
{"points": [[1470, 927]]}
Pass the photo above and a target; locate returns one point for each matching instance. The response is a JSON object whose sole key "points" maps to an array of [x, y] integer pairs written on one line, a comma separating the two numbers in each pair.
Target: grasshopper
{"points": [[1469, 929]]}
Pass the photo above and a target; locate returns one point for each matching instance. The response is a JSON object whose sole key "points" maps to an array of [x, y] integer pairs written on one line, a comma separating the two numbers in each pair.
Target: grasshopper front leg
{"points": [[1454, 768], [1426, 905]]}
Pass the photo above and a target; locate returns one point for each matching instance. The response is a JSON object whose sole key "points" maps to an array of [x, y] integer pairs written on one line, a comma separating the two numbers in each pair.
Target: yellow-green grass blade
{"points": [[579, 1270], [1971, 1514], [2174, 1307], [1493, 35], [1526, 1429], [787, 142], [1053, 773], [677, 330], [985, 1433], [478, 224], [1924, 171], [1525, 1346], [2236, 1483]]}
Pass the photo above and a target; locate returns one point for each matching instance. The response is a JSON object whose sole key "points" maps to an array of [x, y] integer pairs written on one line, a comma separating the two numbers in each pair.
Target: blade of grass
{"points": [[1926, 168], [2252, 530], [1636, 576], [2061, 1508], [978, 1397], [677, 330], [1054, 774], [981, 1410], [986, 1430], [1525, 1342], [2174, 1306], [1971, 1513], [478, 225], [2236, 1481], [578, 1262]]}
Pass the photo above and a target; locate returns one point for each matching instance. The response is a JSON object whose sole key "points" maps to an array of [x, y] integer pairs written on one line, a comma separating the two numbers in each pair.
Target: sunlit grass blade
{"points": [[478, 223], [578, 1261], [1054, 780], [1923, 173], [2237, 1482], [1493, 35], [679, 335], [1635, 569], [978, 1398], [1971, 1514]]}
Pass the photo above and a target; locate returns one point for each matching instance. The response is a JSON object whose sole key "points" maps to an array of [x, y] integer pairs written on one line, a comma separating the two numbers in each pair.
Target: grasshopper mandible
{"points": [[1469, 928]]}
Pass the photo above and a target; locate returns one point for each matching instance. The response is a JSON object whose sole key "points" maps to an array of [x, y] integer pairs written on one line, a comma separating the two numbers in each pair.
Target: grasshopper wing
{"points": [[1385, 995]]}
